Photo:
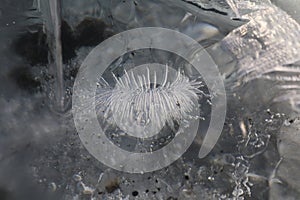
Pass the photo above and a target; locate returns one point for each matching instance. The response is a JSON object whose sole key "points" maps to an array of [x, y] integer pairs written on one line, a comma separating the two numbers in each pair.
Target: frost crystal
{"points": [[143, 104]]}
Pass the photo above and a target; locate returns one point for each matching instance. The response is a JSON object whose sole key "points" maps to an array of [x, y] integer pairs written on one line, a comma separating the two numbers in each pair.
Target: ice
{"points": [[41, 156]]}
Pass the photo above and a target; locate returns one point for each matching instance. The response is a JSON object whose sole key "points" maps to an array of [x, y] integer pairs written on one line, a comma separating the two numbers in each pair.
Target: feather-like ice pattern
{"points": [[140, 100], [267, 44]]}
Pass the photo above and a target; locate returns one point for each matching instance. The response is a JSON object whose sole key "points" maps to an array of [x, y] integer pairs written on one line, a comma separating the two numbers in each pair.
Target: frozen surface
{"points": [[41, 156]]}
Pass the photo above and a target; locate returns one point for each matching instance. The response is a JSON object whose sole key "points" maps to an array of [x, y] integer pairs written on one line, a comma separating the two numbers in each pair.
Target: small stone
{"points": [[52, 187], [77, 177], [88, 191]]}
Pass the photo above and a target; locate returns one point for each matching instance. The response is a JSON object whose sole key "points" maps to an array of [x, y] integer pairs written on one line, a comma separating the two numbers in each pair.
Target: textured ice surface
{"points": [[42, 157], [266, 47]]}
